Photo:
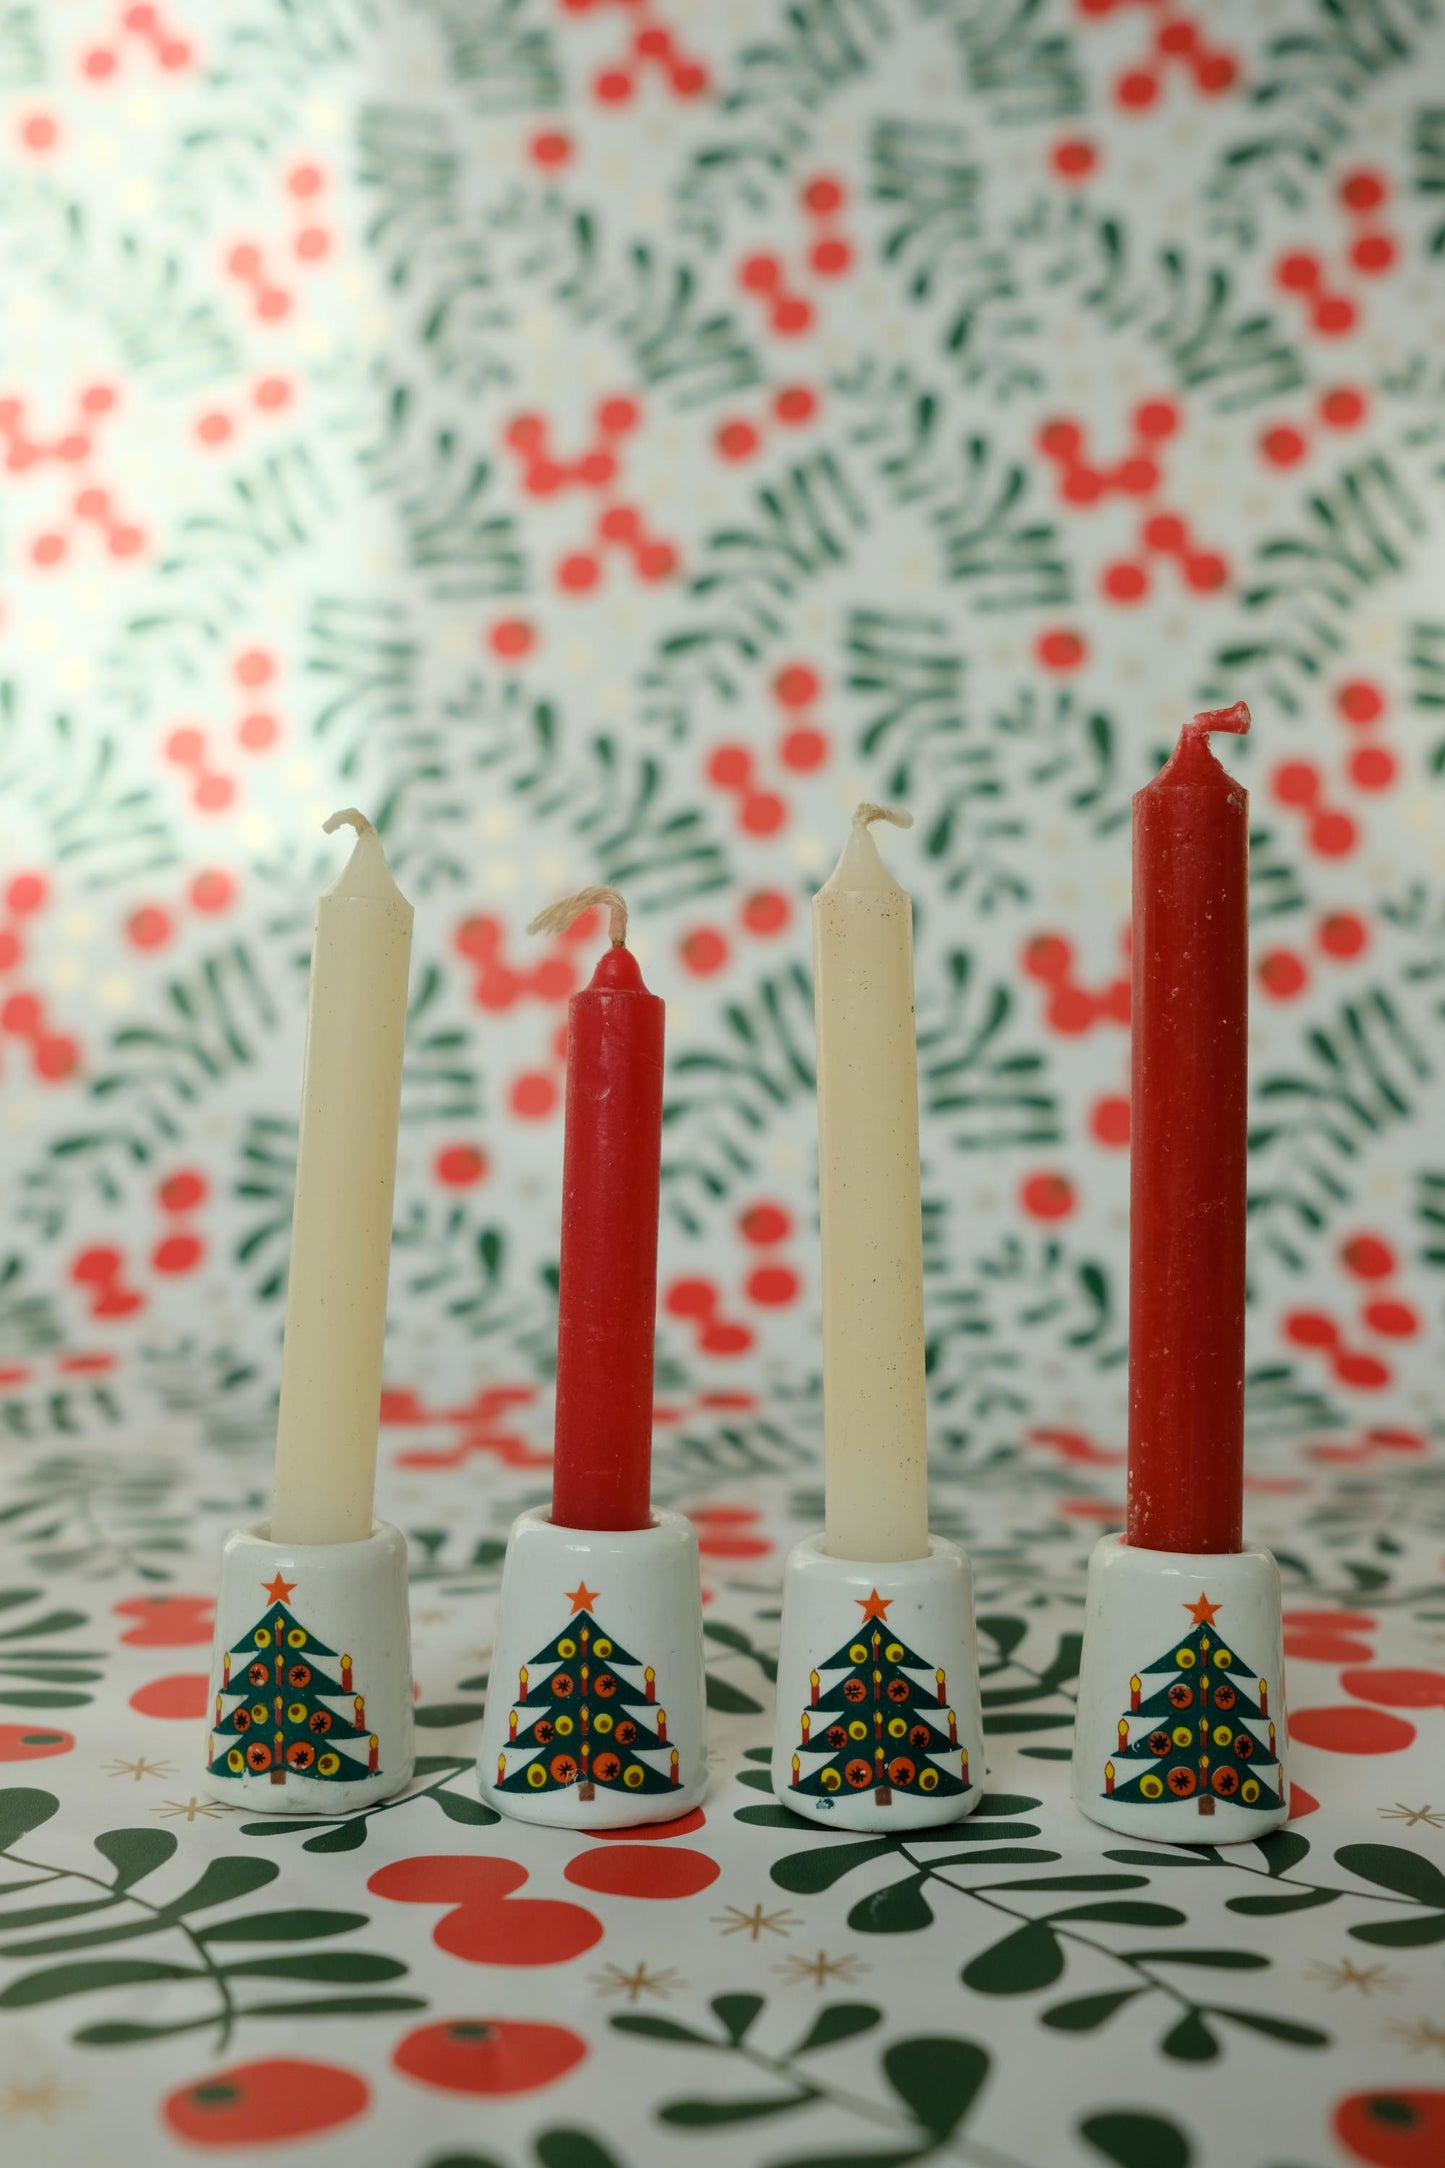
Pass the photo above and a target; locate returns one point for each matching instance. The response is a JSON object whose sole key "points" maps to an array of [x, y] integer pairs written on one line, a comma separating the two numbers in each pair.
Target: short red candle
{"points": [[1187, 1149], [607, 1299]]}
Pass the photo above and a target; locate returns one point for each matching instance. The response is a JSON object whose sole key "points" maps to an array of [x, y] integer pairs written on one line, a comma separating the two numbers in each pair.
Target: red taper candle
{"points": [[607, 1299], [1187, 1149]]}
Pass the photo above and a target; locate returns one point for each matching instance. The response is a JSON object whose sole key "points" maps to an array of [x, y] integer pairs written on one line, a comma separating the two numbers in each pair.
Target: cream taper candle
{"points": [[341, 1223], [874, 1401]]}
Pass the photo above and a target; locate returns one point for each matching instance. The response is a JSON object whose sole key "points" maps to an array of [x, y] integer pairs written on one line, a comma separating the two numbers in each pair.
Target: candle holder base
{"points": [[311, 1697], [595, 1707], [879, 1717], [1181, 1723]]}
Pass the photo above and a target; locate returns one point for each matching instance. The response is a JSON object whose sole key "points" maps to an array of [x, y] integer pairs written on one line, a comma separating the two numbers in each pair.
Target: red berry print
{"points": [[738, 440], [33, 1742], [703, 951], [1061, 650], [1049, 958], [644, 1871], [766, 912], [511, 637], [26, 893], [183, 1191], [764, 1224], [182, 1697], [1343, 935], [772, 1287], [1399, 2127], [149, 927], [491, 2057], [1047, 1196], [167, 1622], [39, 132], [796, 686], [1360, 702], [1283, 447], [1074, 159], [460, 1166], [1282, 974], [1362, 190], [1372, 767], [1392, 1320], [1350, 1730], [1367, 1257], [487, 1922], [533, 1097], [266, 2103], [1109, 1122]]}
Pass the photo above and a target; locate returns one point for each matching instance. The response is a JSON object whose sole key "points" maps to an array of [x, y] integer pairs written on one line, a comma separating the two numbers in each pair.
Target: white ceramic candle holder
{"points": [[311, 1699], [879, 1717], [1181, 1724], [595, 1707]]}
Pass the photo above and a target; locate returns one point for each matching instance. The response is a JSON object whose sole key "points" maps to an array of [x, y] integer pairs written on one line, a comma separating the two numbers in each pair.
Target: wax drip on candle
{"points": [[559, 916]]}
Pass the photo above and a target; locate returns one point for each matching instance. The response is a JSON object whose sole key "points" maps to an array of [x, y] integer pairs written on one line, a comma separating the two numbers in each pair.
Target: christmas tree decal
{"points": [[284, 1722], [874, 1726], [1200, 1734], [581, 1722]]}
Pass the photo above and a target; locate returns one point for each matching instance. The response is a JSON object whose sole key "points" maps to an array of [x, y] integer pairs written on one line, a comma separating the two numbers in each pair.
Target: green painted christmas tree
{"points": [[1200, 1734], [581, 1721], [282, 1722], [875, 1726]]}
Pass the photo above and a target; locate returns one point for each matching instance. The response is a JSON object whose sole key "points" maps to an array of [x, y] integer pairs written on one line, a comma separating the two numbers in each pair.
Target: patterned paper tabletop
{"points": [[606, 441]]}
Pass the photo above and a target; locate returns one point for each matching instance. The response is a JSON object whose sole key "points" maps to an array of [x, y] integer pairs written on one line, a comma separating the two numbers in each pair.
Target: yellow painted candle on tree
{"points": [[874, 1401], [341, 1223]]}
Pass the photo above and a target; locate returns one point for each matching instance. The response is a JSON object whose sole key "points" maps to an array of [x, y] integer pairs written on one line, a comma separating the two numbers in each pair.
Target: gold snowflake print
{"points": [[732, 1920], [139, 1768], [1348, 1974], [192, 1808], [612, 1980], [1413, 1816], [822, 1968], [45, 2097], [1420, 2037]]}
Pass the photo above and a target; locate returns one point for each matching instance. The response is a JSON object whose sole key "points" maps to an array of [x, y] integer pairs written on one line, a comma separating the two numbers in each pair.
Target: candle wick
{"points": [[866, 813], [1235, 719], [559, 916], [348, 817]]}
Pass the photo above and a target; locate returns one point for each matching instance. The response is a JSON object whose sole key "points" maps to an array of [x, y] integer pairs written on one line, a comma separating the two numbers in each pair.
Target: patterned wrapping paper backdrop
{"points": [[606, 441]]}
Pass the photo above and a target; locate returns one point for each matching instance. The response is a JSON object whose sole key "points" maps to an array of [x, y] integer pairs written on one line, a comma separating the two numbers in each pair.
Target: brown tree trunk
{"points": [[883, 1796], [587, 1789], [1206, 1803], [278, 1776]]}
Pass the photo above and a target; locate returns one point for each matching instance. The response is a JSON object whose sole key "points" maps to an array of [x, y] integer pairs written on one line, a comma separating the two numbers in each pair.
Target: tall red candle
{"points": [[1187, 1149], [607, 1302]]}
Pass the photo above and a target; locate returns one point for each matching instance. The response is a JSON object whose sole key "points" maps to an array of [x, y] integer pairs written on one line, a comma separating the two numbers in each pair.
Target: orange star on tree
{"points": [[581, 1597], [280, 1589], [1202, 1612], [873, 1605]]}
